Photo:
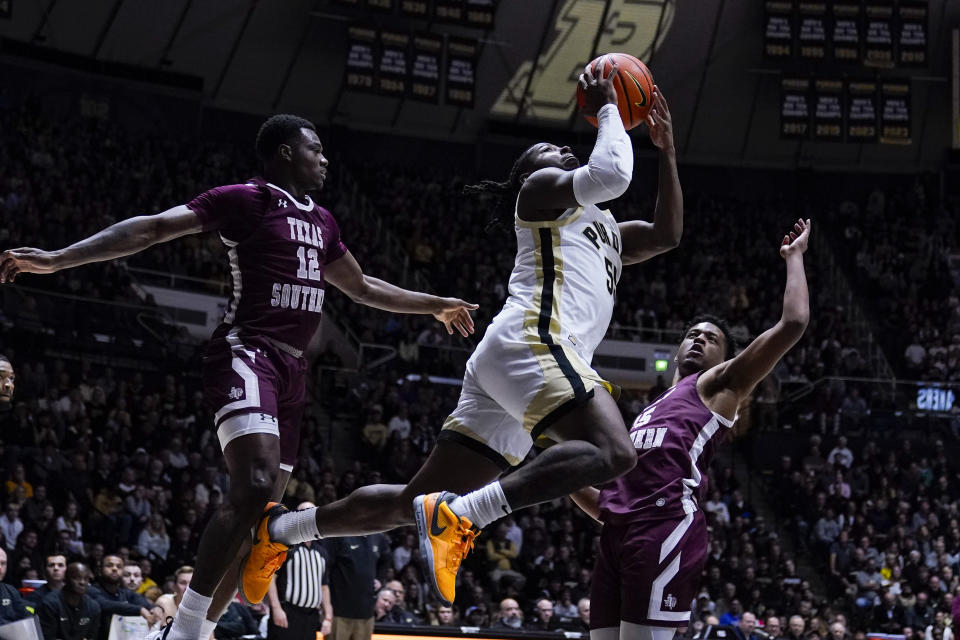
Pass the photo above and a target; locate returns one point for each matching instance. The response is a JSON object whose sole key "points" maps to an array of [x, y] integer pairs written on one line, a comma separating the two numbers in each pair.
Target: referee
{"points": [[299, 592]]}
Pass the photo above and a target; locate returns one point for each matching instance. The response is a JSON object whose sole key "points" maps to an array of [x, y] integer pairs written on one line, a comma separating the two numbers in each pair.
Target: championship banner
{"points": [[361, 49], [480, 13], [385, 6], [780, 24], [813, 30], [461, 71], [879, 28], [449, 10], [425, 69], [912, 33], [394, 68], [862, 111], [828, 111], [415, 8], [846, 27], [895, 125], [795, 108]]}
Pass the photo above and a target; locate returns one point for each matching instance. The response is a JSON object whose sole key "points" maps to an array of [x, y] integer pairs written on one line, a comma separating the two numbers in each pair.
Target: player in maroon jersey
{"points": [[653, 544], [283, 248]]}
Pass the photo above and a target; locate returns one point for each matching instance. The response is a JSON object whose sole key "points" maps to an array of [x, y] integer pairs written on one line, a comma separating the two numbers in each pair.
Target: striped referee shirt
{"points": [[302, 575]]}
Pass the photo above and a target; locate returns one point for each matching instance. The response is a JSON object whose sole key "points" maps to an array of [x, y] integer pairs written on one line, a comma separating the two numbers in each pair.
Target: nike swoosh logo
{"points": [[434, 529], [354, 546]]}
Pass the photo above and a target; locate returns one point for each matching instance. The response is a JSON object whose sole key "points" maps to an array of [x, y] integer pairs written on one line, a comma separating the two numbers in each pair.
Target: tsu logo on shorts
{"points": [[235, 393]]}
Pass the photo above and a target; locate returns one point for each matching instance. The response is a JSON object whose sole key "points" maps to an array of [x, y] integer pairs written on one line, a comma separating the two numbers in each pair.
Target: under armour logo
{"points": [[266, 417], [235, 393], [669, 602], [282, 203]]}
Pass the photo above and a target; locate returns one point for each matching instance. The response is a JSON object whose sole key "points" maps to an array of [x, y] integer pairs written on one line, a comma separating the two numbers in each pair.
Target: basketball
{"points": [[634, 85]]}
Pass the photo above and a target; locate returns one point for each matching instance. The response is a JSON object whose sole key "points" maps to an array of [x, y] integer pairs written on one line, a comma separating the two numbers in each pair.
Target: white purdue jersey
{"points": [[533, 364], [565, 277]]}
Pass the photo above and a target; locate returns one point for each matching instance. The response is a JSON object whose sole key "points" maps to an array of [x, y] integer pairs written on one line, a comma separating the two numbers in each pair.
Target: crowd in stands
{"points": [[112, 466], [881, 519], [897, 246]]}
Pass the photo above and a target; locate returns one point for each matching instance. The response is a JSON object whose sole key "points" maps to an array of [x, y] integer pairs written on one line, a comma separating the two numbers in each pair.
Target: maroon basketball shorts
{"points": [[254, 386], [648, 572]]}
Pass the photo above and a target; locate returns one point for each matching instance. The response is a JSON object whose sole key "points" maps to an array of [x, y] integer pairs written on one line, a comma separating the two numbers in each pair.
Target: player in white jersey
{"points": [[531, 375]]}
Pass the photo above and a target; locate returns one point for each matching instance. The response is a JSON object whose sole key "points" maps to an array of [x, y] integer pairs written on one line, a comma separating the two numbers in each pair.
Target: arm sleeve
{"points": [[608, 172], [336, 248], [233, 210]]}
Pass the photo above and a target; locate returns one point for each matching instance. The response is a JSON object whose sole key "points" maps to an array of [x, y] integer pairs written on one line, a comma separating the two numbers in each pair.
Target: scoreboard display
{"points": [[873, 33]]}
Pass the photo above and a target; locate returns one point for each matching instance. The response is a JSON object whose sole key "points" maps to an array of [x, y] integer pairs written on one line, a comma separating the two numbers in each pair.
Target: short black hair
{"points": [[718, 323], [278, 129], [4, 358]]}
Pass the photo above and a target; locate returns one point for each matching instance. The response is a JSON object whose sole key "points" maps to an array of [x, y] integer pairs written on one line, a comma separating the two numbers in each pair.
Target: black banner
{"points": [[879, 30], [779, 29], [449, 10], [480, 13], [828, 110], [895, 126], [847, 25], [349, 3], [381, 5], [394, 66], [361, 53], [862, 111], [415, 8], [795, 108], [813, 30], [6, 9], [425, 69], [912, 33], [461, 71]]}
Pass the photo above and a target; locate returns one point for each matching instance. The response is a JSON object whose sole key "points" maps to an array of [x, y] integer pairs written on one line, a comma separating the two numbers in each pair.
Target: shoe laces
{"points": [[272, 564], [464, 545]]}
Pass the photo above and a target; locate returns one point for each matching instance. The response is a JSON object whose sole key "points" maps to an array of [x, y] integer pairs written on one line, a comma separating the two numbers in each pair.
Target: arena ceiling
{"points": [[261, 56]]}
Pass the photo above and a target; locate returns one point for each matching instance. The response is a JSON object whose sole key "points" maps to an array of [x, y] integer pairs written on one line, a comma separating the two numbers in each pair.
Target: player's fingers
{"points": [[582, 81], [786, 241], [588, 74], [469, 305]]}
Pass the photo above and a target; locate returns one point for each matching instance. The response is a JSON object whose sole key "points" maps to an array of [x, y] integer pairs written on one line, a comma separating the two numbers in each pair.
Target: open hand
{"points": [[455, 314], [795, 242], [597, 89], [25, 260], [660, 121]]}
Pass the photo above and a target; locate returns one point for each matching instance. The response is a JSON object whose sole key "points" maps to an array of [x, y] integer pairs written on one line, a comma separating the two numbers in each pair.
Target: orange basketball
{"points": [[634, 86]]}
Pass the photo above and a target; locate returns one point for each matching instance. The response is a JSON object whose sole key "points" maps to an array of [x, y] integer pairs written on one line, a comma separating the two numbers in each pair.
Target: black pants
{"points": [[302, 624]]}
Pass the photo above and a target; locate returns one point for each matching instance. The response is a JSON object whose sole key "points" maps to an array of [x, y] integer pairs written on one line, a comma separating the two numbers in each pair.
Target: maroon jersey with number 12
{"points": [[278, 248]]}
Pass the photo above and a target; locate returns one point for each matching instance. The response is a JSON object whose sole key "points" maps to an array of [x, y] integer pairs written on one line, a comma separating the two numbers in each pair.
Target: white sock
{"points": [[295, 527], [188, 622], [482, 506], [206, 629]]}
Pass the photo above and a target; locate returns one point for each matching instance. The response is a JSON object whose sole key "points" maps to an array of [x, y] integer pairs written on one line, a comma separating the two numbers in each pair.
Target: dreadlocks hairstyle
{"points": [[278, 129], [508, 188], [718, 323]]}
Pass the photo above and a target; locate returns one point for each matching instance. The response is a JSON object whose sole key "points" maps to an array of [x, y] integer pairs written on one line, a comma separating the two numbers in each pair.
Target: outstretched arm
{"points": [[588, 499], [736, 378], [121, 239], [608, 171], [345, 274], [643, 240]]}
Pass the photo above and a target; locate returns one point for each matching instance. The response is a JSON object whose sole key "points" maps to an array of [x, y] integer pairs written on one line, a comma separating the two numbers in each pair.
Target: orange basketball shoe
{"points": [[265, 558], [445, 540]]}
